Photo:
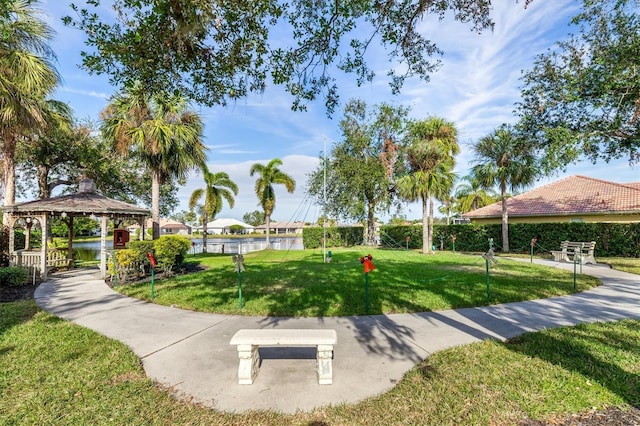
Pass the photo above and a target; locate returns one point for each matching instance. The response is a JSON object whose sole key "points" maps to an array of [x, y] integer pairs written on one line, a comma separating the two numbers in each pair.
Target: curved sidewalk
{"points": [[190, 352]]}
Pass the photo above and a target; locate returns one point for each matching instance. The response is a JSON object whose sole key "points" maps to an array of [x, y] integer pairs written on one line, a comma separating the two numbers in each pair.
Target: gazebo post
{"points": [[103, 247], [11, 222], [27, 234], [43, 255], [70, 238]]}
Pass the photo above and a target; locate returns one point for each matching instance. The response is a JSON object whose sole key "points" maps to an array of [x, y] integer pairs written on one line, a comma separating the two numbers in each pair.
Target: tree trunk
{"points": [[505, 218], [267, 217], [371, 224], [431, 225], [43, 187], [205, 228], [8, 176], [43, 192], [425, 226], [155, 205]]}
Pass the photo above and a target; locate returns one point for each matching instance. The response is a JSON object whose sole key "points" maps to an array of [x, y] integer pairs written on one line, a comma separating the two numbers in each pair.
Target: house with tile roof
{"points": [[167, 227], [572, 199]]}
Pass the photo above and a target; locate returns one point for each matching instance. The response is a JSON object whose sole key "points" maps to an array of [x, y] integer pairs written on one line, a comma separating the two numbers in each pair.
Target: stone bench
{"points": [[248, 341], [581, 251]]}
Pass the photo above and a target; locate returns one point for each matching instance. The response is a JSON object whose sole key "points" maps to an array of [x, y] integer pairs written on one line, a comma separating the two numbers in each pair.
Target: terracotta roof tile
{"points": [[571, 195]]}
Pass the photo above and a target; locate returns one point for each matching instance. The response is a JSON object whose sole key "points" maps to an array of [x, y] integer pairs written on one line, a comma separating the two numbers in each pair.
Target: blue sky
{"points": [[476, 88]]}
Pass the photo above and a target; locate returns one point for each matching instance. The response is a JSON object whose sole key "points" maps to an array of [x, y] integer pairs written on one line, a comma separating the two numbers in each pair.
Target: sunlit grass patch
{"points": [[298, 283]]}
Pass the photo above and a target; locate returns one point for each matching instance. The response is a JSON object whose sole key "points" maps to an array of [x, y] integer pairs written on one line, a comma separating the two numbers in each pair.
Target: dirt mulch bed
{"points": [[15, 293], [609, 417]]}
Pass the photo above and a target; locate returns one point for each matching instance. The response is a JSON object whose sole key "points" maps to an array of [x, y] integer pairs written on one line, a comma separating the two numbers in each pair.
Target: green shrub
{"points": [[346, 236], [612, 239], [133, 262], [236, 229], [141, 246], [170, 251], [13, 276], [128, 265]]}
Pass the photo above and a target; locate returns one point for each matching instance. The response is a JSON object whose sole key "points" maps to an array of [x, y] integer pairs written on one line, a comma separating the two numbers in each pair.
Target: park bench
{"points": [[582, 252], [248, 341]]}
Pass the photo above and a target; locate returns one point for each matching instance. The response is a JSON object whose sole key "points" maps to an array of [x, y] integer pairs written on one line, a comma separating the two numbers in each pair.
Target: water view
{"points": [[90, 250]]}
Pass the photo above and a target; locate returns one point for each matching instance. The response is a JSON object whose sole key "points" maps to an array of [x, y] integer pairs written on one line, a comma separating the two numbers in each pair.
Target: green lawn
{"points": [[626, 264], [298, 283], [54, 372]]}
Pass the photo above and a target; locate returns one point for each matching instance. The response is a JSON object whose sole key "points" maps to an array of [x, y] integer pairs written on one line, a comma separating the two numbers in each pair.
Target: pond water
{"points": [[90, 250]]}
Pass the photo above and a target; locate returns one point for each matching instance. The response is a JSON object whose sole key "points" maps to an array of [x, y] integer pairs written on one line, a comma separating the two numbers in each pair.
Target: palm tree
{"points": [[504, 160], [270, 175], [217, 186], [471, 195], [431, 159], [434, 177], [27, 78], [161, 131], [52, 146], [447, 205]]}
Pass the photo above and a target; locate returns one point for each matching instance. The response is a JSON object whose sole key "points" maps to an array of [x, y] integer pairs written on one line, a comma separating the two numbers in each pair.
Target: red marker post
{"points": [[368, 267], [153, 262]]}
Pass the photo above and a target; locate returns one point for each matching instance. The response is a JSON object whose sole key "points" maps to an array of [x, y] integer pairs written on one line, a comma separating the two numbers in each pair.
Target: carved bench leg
{"points": [[249, 364], [325, 369]]}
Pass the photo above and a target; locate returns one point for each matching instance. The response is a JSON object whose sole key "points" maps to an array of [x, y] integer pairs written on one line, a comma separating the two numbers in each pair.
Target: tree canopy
{"points": [[361, 168], [161, 131], [502, 159], [219, 51], [27, 78], [583, 96], [269, 175], [430, 157]]}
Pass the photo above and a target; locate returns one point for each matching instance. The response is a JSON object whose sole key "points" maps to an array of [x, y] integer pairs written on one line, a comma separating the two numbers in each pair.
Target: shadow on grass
{"points": [[604, 353], [15, 313], [300, 284]]}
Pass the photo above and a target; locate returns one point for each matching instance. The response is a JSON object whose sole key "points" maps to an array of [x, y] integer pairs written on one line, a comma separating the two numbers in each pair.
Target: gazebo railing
{"points": [[30, 259]]}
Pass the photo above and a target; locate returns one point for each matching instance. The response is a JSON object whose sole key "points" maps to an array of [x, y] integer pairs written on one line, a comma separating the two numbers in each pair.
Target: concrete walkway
{"points": [[190, 351]]}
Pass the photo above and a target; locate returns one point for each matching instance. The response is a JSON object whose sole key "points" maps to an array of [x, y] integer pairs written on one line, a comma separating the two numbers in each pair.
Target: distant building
{"points": [[167, 227], [282, 227], [223, 226], [572, 199]]}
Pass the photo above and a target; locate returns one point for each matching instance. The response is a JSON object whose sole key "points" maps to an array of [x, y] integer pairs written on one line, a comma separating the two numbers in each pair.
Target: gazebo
{"points": [[84, 203]]}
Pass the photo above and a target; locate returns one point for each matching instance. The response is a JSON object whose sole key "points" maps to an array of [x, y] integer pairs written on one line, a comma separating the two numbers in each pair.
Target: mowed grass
{"points": [[298, 283], [55, 372], [626, 264]]}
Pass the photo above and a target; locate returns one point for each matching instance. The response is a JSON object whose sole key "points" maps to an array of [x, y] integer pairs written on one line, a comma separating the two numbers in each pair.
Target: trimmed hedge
{"points": [[612, 239], [345, 236], [13, 276], [133, 263]]}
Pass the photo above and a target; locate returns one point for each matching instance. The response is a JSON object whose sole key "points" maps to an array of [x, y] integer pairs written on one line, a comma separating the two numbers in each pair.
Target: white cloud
{"points": [[91, 93]]}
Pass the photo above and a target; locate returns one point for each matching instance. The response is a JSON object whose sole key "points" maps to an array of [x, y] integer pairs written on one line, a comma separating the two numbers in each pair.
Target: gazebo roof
{"points": [[84, 202]]}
